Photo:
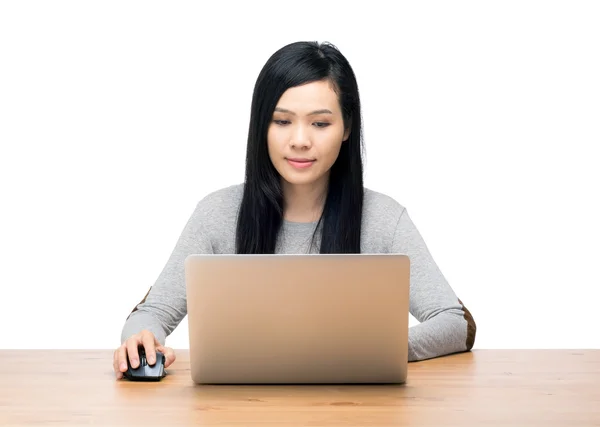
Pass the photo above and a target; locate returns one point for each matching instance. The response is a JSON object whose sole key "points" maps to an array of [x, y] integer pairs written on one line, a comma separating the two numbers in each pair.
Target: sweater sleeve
{"points": [[446, 326], [165, 304]]}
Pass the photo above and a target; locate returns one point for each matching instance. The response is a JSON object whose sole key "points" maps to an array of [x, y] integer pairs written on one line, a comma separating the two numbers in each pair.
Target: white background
{"points": [[116, 117]]}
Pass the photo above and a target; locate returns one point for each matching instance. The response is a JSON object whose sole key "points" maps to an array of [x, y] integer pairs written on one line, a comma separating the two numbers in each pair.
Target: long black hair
{"points": [[261, 211]]}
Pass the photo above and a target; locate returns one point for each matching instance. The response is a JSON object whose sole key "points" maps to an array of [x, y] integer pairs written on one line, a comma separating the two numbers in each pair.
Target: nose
{"points": [[300, 137]]}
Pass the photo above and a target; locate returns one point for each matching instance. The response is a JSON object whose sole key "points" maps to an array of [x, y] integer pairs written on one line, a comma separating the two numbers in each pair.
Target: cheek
{"points": [[331, 143], [273, 139], [271, 142], [333, 153]]}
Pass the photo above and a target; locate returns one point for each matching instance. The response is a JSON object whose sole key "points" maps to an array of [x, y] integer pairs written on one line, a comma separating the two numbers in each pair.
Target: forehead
{"points": [[310, 97]]}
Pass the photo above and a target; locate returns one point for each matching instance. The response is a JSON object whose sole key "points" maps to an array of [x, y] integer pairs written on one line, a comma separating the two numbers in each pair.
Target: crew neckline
{"points": [[299, 224]]}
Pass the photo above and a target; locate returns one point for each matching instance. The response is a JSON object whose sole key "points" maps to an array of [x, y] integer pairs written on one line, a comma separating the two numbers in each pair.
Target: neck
{"points": [[304, 202]]}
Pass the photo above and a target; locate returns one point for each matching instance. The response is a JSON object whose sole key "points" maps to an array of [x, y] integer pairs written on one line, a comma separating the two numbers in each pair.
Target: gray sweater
{"points": [[445, 327]]}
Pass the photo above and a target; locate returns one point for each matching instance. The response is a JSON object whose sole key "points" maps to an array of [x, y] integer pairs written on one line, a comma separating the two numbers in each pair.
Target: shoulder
{"points": [[381, 207], [223, 198], [221, 204], [381, 214]]}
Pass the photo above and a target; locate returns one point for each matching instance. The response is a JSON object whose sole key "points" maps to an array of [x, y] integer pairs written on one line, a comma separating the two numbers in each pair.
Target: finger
{"points": [[169, 355], [116, 364], [132, 351], [122, 358], [116, 360], [148, 343]]}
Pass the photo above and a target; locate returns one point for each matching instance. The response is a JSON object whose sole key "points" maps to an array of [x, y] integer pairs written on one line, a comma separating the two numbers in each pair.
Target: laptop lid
{"points": [[315, 318]]}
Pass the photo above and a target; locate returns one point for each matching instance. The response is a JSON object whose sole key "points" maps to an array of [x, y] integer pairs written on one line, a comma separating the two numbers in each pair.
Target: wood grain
{"points": [[484, 387]]}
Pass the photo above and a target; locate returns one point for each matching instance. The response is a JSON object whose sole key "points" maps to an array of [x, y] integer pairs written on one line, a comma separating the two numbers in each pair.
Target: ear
{"points": [[347, 130], [346, 135]]}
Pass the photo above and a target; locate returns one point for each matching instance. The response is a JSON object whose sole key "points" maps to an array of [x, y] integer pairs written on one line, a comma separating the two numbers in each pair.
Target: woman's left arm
{"points": [[446, 326]]}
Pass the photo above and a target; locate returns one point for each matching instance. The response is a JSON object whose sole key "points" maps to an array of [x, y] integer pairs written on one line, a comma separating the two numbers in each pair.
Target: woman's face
{"points": [[306, 133]]}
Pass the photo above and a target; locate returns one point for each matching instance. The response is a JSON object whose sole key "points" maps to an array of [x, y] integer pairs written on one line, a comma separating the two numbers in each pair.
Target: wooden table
{"points": [[484, 387]]}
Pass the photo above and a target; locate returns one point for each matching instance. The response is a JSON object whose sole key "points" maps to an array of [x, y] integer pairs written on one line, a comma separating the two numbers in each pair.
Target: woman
{"points": [[303, 192]]}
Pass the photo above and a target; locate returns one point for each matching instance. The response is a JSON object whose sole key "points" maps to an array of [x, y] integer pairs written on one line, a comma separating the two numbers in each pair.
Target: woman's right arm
{"points": [[165, 304]]}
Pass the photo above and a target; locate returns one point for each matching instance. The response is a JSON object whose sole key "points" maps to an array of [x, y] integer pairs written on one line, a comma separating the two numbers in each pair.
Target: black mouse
{"points": [[146, 372]]}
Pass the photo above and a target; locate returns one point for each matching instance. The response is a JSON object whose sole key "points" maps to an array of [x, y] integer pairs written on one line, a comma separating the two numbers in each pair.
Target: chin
{"points": [[299, 180]]}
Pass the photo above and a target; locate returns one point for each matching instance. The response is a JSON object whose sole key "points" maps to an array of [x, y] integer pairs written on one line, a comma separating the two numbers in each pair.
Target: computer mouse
{"points": [[146, 372]]}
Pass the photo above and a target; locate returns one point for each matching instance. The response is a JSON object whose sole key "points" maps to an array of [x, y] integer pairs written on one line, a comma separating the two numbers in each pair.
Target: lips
{"points": [[299, 163], [297, 160]]}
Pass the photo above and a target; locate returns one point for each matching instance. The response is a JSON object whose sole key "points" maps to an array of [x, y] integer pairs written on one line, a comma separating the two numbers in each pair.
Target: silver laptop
{"points": [[298, 319]]}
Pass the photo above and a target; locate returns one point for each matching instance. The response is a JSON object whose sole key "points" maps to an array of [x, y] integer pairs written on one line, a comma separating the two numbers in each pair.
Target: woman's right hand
{"points": [[129, 349]]}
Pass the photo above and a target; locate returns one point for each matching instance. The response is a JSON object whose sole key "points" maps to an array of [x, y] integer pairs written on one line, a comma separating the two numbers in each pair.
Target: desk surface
{"points": [[484, 387]]}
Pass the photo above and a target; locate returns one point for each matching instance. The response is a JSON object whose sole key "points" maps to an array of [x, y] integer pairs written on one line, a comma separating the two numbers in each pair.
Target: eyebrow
{"points": [[323, 111]]}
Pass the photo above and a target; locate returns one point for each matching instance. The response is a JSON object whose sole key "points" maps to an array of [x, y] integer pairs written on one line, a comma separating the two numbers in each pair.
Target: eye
{"points": [[281, 122], [321, 124]]}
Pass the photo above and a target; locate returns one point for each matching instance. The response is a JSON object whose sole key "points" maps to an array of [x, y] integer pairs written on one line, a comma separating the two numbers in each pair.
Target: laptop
{"points": [[298, 319]]}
